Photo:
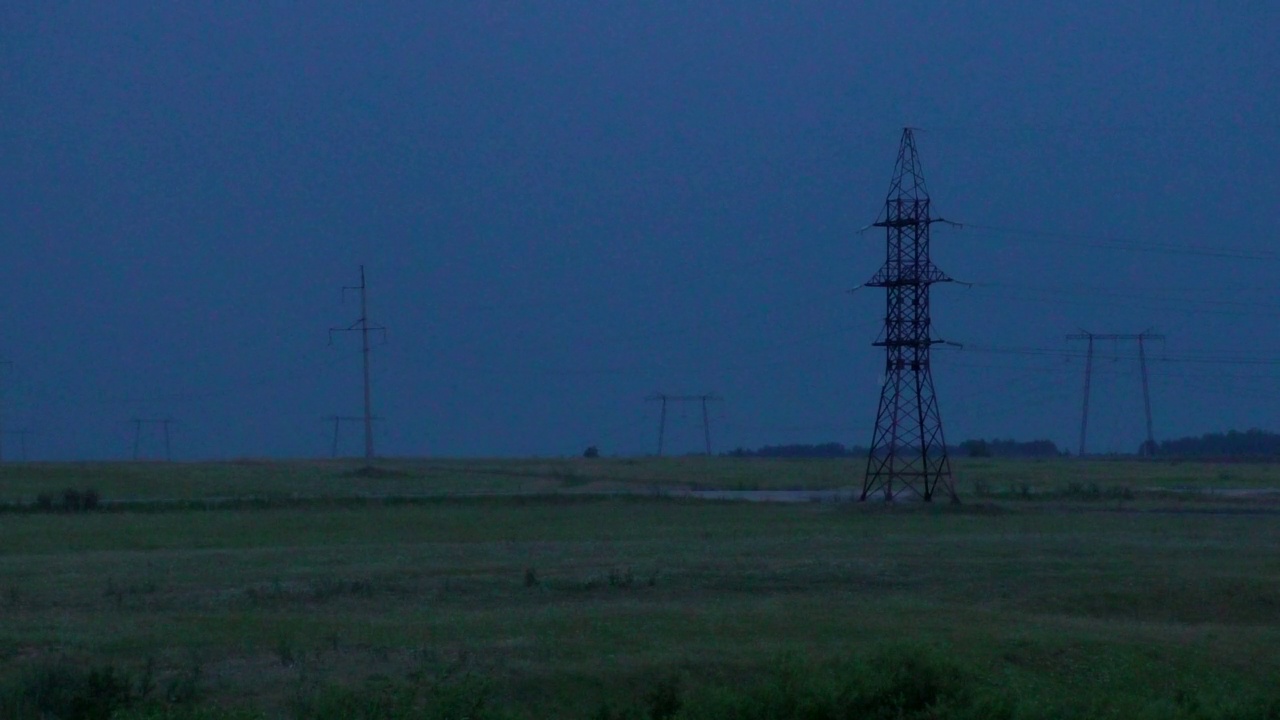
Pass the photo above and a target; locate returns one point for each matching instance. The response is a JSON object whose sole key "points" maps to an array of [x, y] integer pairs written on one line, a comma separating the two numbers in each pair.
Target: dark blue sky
{"points": [[564, 207]]}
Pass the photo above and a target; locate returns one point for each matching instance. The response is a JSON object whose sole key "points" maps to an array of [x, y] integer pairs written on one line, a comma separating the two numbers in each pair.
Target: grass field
{"points": [[476, 588], [414, 478]]}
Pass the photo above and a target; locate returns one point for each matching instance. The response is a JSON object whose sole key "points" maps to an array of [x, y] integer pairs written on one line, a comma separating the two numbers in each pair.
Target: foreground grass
{"points": [[903, 682], [638, 607]]}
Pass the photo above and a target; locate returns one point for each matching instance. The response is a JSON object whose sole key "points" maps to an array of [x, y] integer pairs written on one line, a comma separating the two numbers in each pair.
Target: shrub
{"points": [[621, 579], [72, 501], [63, 690], [899, 684], [663, 699]]}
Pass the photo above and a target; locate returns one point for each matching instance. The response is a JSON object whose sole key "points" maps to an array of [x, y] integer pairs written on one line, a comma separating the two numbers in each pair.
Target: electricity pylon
{"points": [[1148, 447], [908, 449], [662, 417], [364, 327]]}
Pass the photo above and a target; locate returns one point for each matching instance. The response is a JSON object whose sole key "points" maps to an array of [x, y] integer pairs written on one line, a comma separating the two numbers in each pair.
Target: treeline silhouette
{"points": [[804, 450], [1252, 443], [1010, 448], [1231, 444], [970, 448]]}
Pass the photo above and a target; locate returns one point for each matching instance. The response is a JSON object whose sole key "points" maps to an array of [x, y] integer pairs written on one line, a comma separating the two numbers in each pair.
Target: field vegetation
{"points": [[598, 589], [142, 484]]}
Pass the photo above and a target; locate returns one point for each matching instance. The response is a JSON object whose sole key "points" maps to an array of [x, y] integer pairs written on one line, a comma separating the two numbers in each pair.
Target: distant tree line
{"points": [[1231, 444], [1010, 448], [970, 448], [803, 450]]}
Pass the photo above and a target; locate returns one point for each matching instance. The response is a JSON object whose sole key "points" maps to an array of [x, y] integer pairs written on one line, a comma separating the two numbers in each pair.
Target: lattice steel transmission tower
{"points": [[908, 449]]}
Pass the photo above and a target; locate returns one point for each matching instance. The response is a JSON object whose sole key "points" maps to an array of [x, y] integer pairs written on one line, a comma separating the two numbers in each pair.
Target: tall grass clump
{"points": [[61, 689], [466, 696], [895, 684], [921, 683]]}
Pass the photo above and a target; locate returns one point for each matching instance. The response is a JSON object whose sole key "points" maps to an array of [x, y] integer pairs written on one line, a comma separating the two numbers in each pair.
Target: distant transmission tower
{"points": [[1149, 446], [338, 421], [22, 440], [908, 449], [163, 423], [363, 326], [662, 417], [4, 364]]}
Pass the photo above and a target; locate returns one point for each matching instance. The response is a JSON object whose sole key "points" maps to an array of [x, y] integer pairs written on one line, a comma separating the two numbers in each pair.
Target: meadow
{"points": [[594, 589]]}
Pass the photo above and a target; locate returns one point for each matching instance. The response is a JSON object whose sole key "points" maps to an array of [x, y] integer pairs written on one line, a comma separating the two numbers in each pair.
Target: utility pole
{"points": [[1149, 446], [662, 417], [908, 449], [138, 424], [364, 327]]}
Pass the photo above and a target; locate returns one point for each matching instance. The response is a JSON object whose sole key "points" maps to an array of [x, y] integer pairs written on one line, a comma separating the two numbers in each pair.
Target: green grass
{"points": [[1044, 606], [339, 479]]}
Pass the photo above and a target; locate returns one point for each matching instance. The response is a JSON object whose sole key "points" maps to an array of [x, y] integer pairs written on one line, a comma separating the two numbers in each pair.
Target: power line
{"points": [[1093, 296], [1190, 359], [1115, 243], [1096, 128]]}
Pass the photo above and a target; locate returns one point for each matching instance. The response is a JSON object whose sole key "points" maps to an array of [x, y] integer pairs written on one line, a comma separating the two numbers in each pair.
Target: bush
{"points": [[62, 690], [66, 690], [663, 699], [452, 698], [70, 500], [899, 684]]}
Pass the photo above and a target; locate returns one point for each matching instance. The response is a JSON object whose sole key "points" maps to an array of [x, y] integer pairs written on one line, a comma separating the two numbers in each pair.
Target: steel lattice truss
{"points": [[908, 449]]}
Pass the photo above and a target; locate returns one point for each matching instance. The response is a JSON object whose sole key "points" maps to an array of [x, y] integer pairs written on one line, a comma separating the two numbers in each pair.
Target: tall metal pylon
{"points": [[908, 449], [662, 418], [22, 440], [162, 423], [364, 327], [1149, 445], [337, 421], [3, 407]]}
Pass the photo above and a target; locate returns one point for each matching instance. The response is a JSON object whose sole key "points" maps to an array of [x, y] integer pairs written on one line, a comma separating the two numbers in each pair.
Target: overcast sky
{"points": [[564, 207]]}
